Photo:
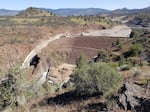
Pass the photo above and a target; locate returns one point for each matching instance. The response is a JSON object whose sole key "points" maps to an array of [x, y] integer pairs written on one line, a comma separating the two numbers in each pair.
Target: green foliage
{"points": [[92, 20], [136, 33], [102, 56], [117, 41], [96, 78], [81, 61], [122, 61], [135, 49], [11, 88], [114, 65], [133, 34]]}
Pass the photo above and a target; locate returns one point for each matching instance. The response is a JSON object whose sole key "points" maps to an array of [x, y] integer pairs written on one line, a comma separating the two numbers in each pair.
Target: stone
{"points": [[130, 96], [21, 100]]}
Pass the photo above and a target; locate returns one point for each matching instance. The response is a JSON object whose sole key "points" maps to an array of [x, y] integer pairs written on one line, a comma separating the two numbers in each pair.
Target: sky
{"points": [[55, 4]]}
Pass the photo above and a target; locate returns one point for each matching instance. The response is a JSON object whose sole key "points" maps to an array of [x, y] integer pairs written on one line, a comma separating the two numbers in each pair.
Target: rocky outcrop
{"points": [[134, 97]]}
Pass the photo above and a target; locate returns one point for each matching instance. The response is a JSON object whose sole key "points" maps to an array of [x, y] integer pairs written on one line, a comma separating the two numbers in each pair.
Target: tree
{"points": [[96, 78], [11, 88], [81, 61]]}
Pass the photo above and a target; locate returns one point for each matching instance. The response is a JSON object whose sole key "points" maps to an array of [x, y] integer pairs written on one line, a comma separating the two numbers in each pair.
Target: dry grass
{"points": [[25, 20]]}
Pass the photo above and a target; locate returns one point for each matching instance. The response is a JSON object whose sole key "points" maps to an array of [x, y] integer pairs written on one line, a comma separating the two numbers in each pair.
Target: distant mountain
{"points": [[77, 12], [124, 11], [121, 11], [4, 12]]}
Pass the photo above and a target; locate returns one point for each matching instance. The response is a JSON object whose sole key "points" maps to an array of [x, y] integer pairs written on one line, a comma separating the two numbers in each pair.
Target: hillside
{"points": [[85, 63], [129, 59], [140, 19], [34, 12]]}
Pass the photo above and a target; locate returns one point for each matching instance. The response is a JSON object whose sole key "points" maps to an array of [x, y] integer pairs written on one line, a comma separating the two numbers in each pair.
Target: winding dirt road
{"points": [[38, 49], [117, 31]]}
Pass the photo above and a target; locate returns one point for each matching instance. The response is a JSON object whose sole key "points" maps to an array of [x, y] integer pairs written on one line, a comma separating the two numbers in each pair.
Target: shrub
{"points": [[135, 49], [11, 88], [101, 56], [117, 41], [96, 78], [133, 34], [136, 33], [81, 61]]}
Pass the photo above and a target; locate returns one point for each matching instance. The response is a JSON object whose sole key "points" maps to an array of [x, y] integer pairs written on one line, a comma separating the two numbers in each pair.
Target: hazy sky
{"points": [[55, 4]]}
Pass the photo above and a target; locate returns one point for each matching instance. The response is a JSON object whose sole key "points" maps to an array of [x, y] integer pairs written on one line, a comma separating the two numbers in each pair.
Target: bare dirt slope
{"points": [[69, 49], [118, 31]]}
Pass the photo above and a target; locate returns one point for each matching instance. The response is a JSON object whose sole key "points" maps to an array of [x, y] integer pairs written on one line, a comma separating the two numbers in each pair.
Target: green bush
{"points": [[96, 78], [133, 34], [11, 88], [136, 33], [102, 56], [135, 49], [81, 61]]}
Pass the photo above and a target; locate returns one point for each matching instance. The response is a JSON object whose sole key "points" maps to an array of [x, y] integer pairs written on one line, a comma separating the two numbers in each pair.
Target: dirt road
{"points": [[38, 49], [117, 31]]}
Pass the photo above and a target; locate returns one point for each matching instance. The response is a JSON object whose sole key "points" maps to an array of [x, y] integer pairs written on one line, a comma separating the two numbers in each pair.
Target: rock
{"points": [[147, 91], [148, 85], [124, 67], [21, 100], [7, 110], [130, 96], [134, 89], [122, 101]]}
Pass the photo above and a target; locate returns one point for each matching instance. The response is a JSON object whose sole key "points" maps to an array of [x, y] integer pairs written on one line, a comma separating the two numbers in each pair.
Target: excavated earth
{"points": [[16, 42], [69, 49]]}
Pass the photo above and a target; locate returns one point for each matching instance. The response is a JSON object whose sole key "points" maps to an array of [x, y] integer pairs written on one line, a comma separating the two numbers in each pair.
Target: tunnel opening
{"points": [[35, 61]]}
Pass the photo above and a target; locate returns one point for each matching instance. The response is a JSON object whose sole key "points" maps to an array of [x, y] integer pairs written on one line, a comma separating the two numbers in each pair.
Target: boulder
{"points": [[130, 97], [21, 100]]}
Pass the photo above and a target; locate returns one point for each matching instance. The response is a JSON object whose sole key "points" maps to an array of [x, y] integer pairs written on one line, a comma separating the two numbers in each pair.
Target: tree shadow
{"points": [[144, 105], [66, 98], [96, 107]]}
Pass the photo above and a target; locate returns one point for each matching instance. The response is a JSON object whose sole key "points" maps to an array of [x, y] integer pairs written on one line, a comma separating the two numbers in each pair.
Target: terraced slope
{"points": [[69, 49]]}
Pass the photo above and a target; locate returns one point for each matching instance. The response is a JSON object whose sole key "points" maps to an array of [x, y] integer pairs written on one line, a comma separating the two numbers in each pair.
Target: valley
{"points": [[75, 63]]}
